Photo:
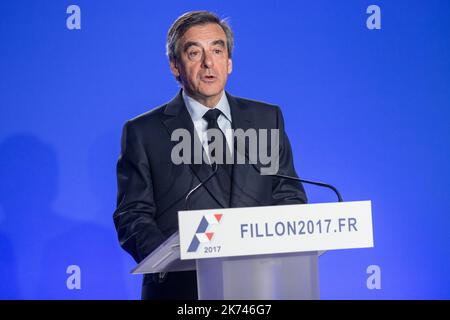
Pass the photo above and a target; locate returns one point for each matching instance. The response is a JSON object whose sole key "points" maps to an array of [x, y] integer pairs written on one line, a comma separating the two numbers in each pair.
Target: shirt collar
{"points": [[198, 110]]}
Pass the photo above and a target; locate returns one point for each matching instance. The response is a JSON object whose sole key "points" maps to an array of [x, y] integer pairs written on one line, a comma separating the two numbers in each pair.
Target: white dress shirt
{"points": [[198, 110]]}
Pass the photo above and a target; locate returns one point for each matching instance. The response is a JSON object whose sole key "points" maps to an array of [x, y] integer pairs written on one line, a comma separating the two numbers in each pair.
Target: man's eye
{"points": [[193, 54], [217, 51]]}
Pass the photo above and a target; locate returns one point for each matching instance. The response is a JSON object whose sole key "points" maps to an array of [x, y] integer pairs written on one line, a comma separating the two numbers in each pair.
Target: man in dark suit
{"points": [[152, 188]]}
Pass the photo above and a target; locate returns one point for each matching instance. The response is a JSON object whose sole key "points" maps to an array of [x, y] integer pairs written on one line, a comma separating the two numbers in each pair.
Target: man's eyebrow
{"points": [[218, 42], [197, 44], [190, 44]]}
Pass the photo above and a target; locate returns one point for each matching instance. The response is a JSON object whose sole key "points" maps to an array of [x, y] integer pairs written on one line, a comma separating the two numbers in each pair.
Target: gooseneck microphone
{"points": [[215, 168], [161, 277], [316, 183], [190, 193]]}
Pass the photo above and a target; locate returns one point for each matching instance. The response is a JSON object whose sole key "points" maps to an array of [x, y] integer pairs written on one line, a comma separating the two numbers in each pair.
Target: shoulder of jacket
{"points": [[251, 103], [147, 117]]}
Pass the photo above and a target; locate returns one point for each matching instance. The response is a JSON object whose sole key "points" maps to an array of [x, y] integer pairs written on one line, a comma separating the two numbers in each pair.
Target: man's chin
{"points": [[211, 92]]}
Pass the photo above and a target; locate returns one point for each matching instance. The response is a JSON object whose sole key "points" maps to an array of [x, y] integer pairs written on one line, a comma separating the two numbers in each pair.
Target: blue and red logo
{"points": [[201, 235]]}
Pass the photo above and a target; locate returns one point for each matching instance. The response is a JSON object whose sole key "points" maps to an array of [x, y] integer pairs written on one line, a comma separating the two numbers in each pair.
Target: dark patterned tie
{"points": [[224, 170]]}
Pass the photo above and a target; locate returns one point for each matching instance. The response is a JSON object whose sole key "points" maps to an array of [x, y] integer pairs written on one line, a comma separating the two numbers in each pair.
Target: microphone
{"points": [[190, 193], [316, 183], [161, 277]]}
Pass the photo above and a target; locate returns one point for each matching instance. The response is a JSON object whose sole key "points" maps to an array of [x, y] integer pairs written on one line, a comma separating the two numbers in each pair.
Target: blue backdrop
{"points": [[366, 110]]}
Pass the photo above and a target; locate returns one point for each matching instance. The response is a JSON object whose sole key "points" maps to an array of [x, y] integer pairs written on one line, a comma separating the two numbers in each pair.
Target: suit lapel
{"points": [[178, 118], [241, 119]]}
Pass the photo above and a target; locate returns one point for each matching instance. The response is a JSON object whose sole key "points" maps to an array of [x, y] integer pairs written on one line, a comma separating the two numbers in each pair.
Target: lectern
{"points": [[260, 252]]}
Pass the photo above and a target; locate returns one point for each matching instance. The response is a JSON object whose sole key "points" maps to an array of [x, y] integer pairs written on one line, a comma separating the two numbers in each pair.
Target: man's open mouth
{"points": [[209, 78]]}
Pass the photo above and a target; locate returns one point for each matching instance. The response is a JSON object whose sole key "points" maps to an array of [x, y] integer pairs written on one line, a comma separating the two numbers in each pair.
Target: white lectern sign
{"points": [[275, 229]]}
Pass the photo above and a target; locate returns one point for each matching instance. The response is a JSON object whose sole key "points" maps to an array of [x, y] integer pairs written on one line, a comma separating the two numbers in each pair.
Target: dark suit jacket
{"points": [[151, 189]]}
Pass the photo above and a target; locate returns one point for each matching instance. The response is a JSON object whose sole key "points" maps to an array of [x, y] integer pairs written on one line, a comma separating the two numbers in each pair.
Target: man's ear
{"points": [[230, 66], [174, 68]]}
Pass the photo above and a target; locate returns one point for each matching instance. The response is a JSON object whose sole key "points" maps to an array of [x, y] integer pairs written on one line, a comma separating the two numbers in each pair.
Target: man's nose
{"points": [[207, 60]]}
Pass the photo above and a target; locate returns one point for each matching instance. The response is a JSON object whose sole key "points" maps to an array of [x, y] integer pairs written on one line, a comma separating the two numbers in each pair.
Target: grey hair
{"points": [[190, 19]]}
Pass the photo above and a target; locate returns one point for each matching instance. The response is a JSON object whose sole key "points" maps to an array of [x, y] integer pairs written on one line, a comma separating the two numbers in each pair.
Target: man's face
{"points": [[203, 63]]}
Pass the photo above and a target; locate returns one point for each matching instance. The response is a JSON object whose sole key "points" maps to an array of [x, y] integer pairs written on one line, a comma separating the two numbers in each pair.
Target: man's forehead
{"points": [[204, 33]]}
